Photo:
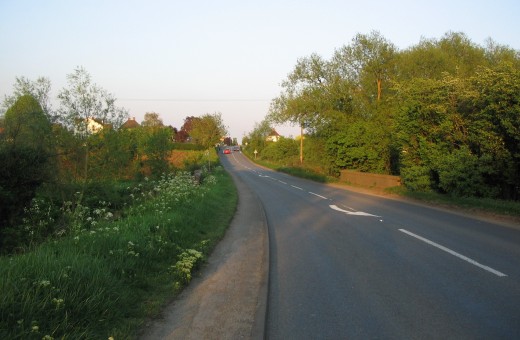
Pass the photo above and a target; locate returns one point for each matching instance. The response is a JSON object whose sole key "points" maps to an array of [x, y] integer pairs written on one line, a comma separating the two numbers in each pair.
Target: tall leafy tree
{"points": [[495, 129], [152, 119], [38, 89], [26, 124], [256, 139], [82, 100], [25, 158], [208, 130], [369, 57], [183, 135], [306, 96]]}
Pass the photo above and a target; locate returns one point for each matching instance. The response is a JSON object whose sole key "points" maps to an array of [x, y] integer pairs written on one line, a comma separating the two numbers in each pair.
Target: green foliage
{"points": [[257, 138], [449, 119], [155, 146], [459, 174], [105, 279], [303, 173], [207, 130], [361, 146], [82, 100], [416, 178], [25, 150], [285, 150], [187, 146], [38, 89], [111, 154], [23, 170], [454, 128], [27, 125]]}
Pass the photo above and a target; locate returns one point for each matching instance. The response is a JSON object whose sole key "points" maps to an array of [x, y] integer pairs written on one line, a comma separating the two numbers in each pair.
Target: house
{"points": [[92, 126], [273, 136], [131, 123]]}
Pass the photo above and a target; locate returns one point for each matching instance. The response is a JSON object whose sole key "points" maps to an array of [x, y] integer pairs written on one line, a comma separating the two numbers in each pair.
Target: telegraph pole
{"points": [[301, 143]]}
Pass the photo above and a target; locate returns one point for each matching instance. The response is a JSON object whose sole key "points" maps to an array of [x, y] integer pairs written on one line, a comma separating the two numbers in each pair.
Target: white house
{"points": [[273, 136]]}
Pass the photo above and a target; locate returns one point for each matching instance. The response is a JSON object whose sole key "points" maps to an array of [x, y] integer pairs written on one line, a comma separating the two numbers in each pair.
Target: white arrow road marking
{"points": [[357, 213], [454, 253]]}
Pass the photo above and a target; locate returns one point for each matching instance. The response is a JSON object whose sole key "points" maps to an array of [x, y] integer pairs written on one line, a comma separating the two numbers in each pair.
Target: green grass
{"points": [[489, 205], [106, 281], [472, 204], [295, 171]]}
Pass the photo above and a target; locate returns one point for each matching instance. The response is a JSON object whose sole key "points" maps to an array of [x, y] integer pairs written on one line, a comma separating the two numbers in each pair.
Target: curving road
{"points": [[348, 265]]}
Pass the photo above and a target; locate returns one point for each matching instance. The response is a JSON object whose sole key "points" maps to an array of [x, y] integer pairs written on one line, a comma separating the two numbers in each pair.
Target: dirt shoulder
{"points": [[227, 299]]}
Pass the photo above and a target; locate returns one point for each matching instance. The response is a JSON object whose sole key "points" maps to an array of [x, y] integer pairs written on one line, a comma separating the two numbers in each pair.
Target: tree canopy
{"points": [[443, 114], [208, 130]]}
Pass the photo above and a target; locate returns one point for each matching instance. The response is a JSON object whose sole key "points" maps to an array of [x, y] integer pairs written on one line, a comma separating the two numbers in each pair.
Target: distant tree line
{"points": [[443, 114]]}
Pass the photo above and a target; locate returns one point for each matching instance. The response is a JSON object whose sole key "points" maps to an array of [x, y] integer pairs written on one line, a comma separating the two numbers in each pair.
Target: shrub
{"points": [[416, 178]]}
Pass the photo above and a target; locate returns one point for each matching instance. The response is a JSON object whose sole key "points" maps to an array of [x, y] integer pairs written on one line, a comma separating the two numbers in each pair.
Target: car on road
{"points": [[236, 148], [226, 151]]}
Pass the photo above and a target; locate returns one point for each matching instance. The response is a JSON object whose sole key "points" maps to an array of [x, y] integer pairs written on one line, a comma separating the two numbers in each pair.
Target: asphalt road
{"points": [[346, 265]]}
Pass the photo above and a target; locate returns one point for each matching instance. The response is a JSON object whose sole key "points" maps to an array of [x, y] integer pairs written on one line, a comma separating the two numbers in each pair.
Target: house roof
{"points": [[130, 124], [274, 133]]}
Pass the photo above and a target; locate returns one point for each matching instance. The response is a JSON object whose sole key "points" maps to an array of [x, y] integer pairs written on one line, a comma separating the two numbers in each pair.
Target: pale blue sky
{"points": [[181, 58]]}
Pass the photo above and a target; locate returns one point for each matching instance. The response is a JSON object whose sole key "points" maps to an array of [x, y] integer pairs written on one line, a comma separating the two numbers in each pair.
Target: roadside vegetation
{"points": [[444, 115], [102, 220], [108, 274], [486, 206]]}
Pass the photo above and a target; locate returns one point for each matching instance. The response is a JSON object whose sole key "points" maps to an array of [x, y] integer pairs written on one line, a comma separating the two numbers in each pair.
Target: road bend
{"points": [[346, 265]]}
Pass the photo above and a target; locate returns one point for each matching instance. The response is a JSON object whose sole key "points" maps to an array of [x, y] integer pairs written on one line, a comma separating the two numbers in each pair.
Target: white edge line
{"points": [[312, 193], [454, 253], [295, 187], [282, 182]]}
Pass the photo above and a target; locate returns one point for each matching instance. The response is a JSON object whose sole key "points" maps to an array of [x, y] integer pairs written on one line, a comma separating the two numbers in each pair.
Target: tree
{"points": [[183, 135], [27, 125], [306, 94], [494, 97], [152, 119], [24, 157], [369, 55], [39, 89], [208, 130], [82, 100], [256, 140], [155, 146]]}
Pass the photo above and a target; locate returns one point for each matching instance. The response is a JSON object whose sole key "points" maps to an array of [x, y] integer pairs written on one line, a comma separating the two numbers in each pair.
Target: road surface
{"points": [[346, 265]]}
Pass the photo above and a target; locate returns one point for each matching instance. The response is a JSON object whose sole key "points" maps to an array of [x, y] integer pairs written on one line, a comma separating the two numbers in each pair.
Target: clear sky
{"points": [[187, 58]]}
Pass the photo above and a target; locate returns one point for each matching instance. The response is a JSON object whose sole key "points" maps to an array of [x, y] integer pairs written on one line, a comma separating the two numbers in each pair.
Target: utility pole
{"points": [[301, 143]]}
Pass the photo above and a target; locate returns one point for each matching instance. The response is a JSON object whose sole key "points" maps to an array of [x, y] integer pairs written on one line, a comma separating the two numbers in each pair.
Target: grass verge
{"points": [[296, 171], [472, 204], [487, 205], [105, 281]]}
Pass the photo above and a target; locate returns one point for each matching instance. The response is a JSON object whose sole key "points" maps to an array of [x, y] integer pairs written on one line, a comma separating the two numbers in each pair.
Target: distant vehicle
{"points": [[227, 151], [236, 148]]}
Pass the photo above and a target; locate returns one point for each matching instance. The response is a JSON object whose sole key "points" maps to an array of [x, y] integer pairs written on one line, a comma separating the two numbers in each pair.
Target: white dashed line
{"points": [[312, 193], [295, 187], [454, 253]]}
